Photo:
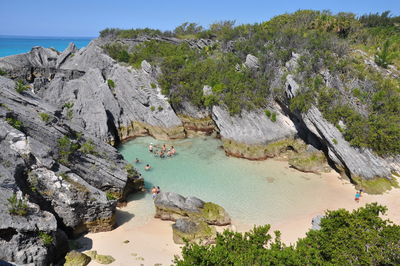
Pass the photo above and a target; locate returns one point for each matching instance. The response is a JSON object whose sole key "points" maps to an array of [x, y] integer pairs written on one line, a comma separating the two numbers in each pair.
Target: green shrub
{"points": [[88, 147], [15, 123], [273, 117], [70, 114], [153, 86], [152, 108], [335, 141], [345, 238], [130, 170], [383, 56], [45, 117], [65, 149], [111, 83], [160, 108], [20, 87], [68, 105], [17, 206], [2, 72], [111, 196], [267, 113], [46, 238]]}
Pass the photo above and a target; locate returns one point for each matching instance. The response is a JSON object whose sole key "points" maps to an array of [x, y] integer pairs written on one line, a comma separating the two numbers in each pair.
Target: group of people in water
{"points": [[162, 152], [158, 152]]}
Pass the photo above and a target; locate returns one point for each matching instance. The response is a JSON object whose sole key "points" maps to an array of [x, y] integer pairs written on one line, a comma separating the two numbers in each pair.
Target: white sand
{"points": [[152, 242]]}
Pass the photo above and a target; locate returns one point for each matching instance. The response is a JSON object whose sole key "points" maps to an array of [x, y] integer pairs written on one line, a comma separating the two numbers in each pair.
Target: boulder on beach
{"points": [[172, 206], [75, 258], [192, 231]]}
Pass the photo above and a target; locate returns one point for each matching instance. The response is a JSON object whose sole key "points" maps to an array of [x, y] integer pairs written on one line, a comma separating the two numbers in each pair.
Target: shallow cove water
{"points": [[252, 192]]}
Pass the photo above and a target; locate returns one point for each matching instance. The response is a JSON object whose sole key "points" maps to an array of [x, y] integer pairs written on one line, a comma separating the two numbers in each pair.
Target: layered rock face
{"points": [[55, 180], [110, 101]]}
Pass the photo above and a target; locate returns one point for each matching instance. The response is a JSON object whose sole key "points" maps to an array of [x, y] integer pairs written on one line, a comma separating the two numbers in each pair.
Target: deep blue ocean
{"points": [[10, 45]]}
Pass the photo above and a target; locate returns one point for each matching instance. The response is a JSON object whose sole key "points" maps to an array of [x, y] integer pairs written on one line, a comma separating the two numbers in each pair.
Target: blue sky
{"points": [[88, 17]]}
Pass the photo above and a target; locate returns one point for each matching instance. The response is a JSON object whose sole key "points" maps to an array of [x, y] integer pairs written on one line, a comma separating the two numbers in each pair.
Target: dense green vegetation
{"points": [[360, 237], [323, 41]]}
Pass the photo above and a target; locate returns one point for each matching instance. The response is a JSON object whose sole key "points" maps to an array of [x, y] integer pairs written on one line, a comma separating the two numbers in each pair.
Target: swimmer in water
{"points": [[151, 147], [147, 167]]}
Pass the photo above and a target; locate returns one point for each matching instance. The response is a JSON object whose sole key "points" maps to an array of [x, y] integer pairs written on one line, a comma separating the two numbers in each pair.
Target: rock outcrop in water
{"points": [[193, 217], [56, 181]]}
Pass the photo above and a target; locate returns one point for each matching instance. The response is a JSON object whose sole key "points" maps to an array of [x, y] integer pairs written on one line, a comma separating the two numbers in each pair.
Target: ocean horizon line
{"points": [[45, 37]]}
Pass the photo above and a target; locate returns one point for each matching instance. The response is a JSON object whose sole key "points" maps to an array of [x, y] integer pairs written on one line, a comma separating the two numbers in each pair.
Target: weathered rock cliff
{"points": [[65, 182]]}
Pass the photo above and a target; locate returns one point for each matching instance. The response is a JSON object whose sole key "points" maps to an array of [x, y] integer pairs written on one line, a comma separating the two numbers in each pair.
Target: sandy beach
{"points": [[151, 243]]}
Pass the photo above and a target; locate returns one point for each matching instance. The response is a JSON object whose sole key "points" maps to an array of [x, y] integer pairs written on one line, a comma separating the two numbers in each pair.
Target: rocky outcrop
{"points": [[252, 134], [75, 258], [108, 100], [196, 121], [359, 164], [192, 231], [309, 160], [172, 206], [64, 175], [193, 217]]}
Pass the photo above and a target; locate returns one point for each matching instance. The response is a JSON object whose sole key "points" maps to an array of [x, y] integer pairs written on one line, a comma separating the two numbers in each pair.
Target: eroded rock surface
{"points": [[66, 187]]}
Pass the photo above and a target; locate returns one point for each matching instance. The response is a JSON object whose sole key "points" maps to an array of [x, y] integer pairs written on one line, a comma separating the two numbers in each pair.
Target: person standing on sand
{"points": [[357, 198]]}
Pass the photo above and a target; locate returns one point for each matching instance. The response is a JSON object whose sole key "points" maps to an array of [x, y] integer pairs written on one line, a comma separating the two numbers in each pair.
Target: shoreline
{"points": [[151, 243]]}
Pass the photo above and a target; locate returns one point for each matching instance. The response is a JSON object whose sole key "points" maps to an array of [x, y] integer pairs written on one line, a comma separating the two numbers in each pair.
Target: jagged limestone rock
{"points": [[72, 190]]}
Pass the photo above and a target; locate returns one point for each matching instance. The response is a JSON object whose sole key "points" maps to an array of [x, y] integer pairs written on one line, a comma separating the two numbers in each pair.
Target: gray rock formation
{"points": [[64, 193], [128, 108], [193, 231], [360, 162], [252, 62], [248, 134], [172, 206]]}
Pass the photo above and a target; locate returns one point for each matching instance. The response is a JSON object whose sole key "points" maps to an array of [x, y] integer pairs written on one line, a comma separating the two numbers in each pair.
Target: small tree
{"points": [[20, 87], [383, 57]]}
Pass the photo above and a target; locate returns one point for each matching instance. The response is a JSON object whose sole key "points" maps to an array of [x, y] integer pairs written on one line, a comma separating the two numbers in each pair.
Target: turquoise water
{"points": [[253, 192], [11, 45]]}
